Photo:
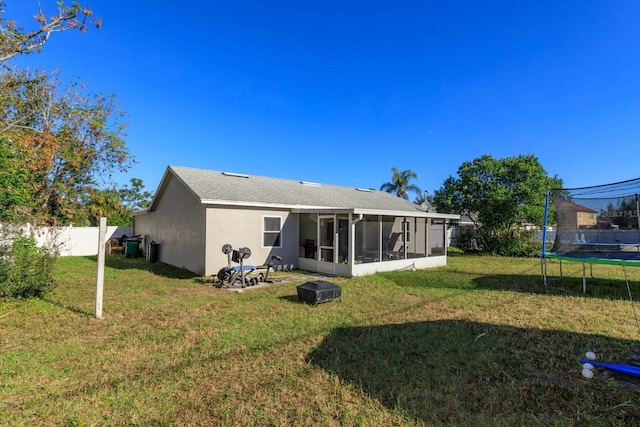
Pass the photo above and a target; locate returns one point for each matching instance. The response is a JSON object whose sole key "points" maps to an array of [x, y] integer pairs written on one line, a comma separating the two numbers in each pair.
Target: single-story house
{"points": [[331, 229]]}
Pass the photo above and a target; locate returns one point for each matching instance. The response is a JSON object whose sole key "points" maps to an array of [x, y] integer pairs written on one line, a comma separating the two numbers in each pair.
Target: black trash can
{"points": [[153, 252]]}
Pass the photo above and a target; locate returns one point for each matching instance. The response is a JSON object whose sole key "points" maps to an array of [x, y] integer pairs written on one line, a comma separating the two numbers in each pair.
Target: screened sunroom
{"points": [[357, 242]]}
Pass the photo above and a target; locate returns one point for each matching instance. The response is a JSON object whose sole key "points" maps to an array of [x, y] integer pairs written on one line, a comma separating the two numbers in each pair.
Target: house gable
{"points": [[176, 222]]}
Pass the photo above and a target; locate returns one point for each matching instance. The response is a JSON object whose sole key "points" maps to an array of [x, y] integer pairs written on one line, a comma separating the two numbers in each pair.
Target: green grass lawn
{"points": [[480, 342]]}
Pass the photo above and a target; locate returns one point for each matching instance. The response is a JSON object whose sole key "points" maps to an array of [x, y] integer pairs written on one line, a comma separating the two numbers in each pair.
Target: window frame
{"points": [[265, 231], [406, 230]]}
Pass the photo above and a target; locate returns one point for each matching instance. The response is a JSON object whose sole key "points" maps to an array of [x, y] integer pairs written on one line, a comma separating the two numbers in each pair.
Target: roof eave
{"points": [[330, 209], [416, 214]]}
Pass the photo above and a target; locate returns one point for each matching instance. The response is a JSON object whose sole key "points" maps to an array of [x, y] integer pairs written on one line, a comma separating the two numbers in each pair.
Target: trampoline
{"points": [[595, 225]]}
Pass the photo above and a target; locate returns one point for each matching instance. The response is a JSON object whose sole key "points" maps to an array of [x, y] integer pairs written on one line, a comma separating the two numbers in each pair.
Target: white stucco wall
{"points": [[402, 264], [243, 227], [177, 223], [346, 270]]}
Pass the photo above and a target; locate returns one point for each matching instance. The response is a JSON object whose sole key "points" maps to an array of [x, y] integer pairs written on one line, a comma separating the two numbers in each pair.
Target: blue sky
{"points": [[339, 92]]}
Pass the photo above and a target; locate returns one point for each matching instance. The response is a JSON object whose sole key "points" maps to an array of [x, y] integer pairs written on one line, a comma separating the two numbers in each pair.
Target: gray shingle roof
{"points": [[217, 187]]}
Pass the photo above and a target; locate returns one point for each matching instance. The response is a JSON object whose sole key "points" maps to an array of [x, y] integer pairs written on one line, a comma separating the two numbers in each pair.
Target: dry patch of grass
{"points": [[480, 342]]}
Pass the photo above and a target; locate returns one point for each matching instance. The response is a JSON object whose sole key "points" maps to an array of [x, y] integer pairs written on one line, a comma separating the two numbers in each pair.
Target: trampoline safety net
{"points": [[597, 224]]}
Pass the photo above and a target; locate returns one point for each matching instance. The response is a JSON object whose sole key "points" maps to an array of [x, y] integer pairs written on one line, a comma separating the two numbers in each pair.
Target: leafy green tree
{"points": [[498, 195], [54, 140], [400, 183], [67, 139], [57, 139], [15, 194], [624, 215], [135, 197], [108, 204], [116, 205]]}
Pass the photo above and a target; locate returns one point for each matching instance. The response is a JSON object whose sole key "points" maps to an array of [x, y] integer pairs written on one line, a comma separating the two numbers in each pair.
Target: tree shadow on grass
{"points": [[120, 262], [466, 373], [596, 287]]}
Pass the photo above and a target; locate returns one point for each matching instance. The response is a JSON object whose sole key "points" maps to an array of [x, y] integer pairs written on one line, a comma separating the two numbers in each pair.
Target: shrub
{"points": [[467, 241], [511, 243], [26, 271], [519, 244]]}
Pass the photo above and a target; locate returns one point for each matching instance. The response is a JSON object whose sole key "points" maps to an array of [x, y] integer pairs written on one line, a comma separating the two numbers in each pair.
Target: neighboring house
{"points": [[577, 216], [331, 229], [466, 222]]}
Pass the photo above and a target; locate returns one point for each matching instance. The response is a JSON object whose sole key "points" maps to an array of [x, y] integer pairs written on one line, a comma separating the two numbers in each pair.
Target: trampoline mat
{"points": [[615, 258]]}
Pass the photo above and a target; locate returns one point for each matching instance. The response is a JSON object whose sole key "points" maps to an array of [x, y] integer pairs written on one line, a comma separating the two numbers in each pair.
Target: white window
{"points": [[271, 230], [406, 229]]}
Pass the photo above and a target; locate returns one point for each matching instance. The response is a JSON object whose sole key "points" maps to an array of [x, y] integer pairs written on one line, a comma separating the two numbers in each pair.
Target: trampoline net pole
{"points": [[545, 222], [638, 212]]}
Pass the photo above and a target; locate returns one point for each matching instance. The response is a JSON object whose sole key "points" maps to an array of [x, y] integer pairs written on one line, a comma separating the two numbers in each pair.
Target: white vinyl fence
{"points": [[74, 241]]}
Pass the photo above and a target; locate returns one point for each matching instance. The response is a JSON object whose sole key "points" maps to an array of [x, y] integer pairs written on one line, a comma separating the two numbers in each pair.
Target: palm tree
{"points": [[400, 184]]}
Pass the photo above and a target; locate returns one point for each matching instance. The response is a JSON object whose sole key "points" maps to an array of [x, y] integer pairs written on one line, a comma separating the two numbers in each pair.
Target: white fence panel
{"points": [[76, 241]]}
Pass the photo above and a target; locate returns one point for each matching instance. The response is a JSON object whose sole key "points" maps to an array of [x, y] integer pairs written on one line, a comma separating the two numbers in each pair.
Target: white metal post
{"points": [[379, 238], [100, 276]]}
